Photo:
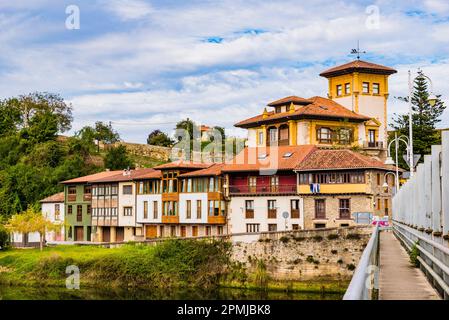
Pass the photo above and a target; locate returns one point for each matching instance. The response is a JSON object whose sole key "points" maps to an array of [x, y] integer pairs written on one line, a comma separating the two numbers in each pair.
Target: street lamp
{"points": [[385, 185], [432, 99], [389, 160]]}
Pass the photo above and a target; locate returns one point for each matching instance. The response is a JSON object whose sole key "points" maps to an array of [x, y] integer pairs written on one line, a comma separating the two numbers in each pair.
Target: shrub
{"points": [[332, 236], [334, 251], [318, 238], [284, 239], [340, 261], [298, 238], [414, 254], [311, 259], [4, 237]]}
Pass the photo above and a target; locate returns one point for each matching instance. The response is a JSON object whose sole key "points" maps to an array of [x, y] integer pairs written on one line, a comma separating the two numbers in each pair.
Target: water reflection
{"points": [[32, 293]]}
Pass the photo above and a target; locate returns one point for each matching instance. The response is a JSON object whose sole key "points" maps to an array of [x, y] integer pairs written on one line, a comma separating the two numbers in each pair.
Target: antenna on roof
{"points": [[357, 51]]}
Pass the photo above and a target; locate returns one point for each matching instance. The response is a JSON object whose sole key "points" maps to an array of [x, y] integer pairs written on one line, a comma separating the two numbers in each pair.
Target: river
{"points": [[52, 293]]}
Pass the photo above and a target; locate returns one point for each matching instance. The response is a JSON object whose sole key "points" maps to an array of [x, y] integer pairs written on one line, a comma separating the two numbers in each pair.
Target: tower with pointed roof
{"points": [[362, 87]]}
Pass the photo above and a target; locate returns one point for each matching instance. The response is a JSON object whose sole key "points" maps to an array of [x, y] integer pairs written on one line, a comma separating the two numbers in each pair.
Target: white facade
{"points": [[238, 223], [127, 201], [150, 199], [193, 197]]}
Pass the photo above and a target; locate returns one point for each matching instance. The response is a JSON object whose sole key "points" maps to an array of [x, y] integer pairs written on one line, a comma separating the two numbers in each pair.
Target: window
{"points": [[295, 226], [173, 231], [220, 230], [376, 89], [69, 209], [87, 189], [72, 190], [342, 225], [378, 179], [114, 212], [79, 213], [347, 88], [208, 231], [339, 90], [170, 182], [273, 134], [272, 227], [127, 211], [145, 209], [333, 177], [274, 183], [252, 227], [324, 135], [344, 209], [128, 189], [320, 225], [278, 109], [252, 183], [371, 137], [386, 206], [89, 209], [344, 136], [155, 210], [188, 209], [320, 209], [378, 204], [170, 208], [214, 208], [365, 87], [198, 209], [57, 211], [260, 138], [271, 209], [294, 206], [249, 209]]}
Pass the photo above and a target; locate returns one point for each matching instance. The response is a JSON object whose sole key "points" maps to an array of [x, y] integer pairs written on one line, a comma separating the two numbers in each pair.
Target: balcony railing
{"points": [[280, 189], [373, 144]]}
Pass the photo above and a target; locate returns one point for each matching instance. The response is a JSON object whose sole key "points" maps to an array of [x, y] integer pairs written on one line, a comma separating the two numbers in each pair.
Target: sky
{"points": [[145, 65]]}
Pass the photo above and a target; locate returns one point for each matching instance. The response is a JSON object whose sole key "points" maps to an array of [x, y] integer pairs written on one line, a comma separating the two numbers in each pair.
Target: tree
{"points": [[105, 133], [159, 138], [4, 237], [31, 221], [424, 120], [117, 158], [30, 105]]}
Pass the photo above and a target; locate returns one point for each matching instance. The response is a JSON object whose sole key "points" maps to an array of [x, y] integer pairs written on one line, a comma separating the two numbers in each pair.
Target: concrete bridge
{"points": [[420, 229]]}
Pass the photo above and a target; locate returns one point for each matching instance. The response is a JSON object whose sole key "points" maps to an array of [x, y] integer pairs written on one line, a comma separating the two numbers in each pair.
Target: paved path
{"points": [[398, 279]]}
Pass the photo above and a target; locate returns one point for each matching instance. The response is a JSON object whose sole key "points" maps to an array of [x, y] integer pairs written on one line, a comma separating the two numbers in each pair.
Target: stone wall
{"points": [[145, 150], [307, 254]]}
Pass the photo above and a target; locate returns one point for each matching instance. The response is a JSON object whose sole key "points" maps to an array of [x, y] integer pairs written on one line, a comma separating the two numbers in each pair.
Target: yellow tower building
{"points": [[362, 87]]}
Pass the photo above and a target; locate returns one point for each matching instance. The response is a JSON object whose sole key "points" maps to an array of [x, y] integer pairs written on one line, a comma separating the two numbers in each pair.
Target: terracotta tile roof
{"points": [[319, 107], [357, 66], [277, 158], [58, 197], [121, 176], [325, 159], [213, 170], [288, 100], [92, 177], [183, 165], [155, 174]]}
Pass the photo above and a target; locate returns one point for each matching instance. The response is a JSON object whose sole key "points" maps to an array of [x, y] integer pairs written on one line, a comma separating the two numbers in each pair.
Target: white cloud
{"points": [[128, 9]]}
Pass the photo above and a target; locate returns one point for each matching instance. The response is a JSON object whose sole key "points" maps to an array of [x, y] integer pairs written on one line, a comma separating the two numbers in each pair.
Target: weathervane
{"points": [[357, 51]]}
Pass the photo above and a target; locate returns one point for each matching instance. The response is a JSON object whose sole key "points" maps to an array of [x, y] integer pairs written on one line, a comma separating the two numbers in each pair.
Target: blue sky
{"points": [[144, 65]]}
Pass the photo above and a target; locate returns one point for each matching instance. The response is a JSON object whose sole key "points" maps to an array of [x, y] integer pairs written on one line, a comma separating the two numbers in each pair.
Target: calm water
{"points": [[27, 293]]}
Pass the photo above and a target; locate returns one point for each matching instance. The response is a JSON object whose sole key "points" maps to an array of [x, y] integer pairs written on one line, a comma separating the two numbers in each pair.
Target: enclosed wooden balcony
{"points": [[216, 219], [262, 190], [170, 219]]}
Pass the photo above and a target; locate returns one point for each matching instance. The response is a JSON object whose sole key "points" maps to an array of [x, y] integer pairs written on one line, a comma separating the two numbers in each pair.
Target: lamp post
{"points": [[389, 160], [431, 99], [385, 185]]}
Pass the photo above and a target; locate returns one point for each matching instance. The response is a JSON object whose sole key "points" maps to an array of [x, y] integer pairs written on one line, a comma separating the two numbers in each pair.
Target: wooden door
{"points": [[120, 234], [194, 231], [150, 232], [79, 233], [106, 234], [183, 231]]}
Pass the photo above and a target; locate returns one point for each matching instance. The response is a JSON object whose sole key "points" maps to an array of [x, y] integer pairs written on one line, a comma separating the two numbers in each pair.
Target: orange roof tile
{"points": [[155, 174], [288, 100], [357, 66], [180, 164], [121, 176], [277, 158], [92, 177], [325, 159], [319, 107], [58, 197], [213, 170]]}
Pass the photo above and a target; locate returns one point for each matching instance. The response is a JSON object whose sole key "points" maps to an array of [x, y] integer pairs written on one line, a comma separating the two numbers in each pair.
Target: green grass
{"points": [[173, 263]]}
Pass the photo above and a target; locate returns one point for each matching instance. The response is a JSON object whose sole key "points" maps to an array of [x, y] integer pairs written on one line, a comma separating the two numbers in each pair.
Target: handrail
{"points": [[358, 288]]}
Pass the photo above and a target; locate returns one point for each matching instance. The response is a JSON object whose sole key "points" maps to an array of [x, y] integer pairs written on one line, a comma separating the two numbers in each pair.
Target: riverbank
{"points": [[180, 266]]}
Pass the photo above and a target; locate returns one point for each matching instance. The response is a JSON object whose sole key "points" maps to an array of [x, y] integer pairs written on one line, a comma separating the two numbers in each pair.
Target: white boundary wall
{"points": [[423, 202]]}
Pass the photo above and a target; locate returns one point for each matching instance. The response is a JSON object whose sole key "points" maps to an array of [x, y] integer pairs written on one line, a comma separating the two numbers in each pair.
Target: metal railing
{"points": [[364, 281], [433, 256], [373, 144], [280, 189]]}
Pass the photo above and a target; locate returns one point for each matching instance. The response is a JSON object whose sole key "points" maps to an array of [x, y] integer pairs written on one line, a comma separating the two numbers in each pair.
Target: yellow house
{"points": [[353, 115]]}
